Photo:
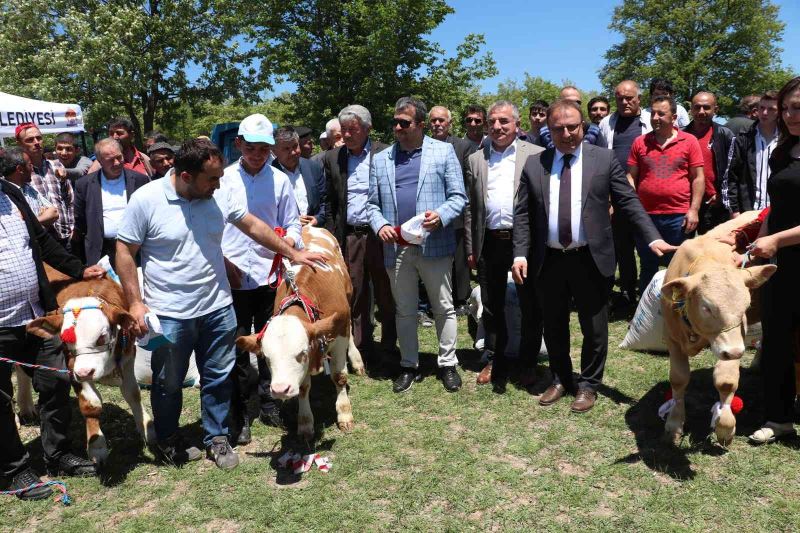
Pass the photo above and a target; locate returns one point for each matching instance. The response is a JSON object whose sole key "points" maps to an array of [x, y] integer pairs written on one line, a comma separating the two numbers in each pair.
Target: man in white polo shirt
{"points": [[177, 223]]}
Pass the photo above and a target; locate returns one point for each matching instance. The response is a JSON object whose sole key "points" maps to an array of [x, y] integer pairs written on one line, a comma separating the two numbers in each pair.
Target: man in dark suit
{"points": [[563, 229], [100, 200], [347, 170], [440, 120], [305, 175]]}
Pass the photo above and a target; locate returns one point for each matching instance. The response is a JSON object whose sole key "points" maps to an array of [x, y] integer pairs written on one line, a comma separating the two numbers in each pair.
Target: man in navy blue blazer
{"points": [[306, 176], [100, 200]]}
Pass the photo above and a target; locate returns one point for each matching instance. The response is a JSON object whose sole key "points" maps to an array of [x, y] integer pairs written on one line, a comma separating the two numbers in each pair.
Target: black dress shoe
{"points": [[71, 465], [25, 479], [405, 380], [450, 379], [245, 436]]}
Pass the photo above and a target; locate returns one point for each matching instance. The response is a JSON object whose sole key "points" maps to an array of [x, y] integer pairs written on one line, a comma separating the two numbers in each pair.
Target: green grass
{"points": [[432, 461]]}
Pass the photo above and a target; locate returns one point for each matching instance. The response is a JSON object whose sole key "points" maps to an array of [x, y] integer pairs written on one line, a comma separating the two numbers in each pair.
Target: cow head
{"points": [[714, 303], [288, 345], [89, 330]]}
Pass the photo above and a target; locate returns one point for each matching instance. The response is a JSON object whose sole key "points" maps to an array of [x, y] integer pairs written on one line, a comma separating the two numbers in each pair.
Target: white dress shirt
{"points": [[114, 199], [763, 152], [268, 195], [299, 187], [575, 200], [500, 188]]}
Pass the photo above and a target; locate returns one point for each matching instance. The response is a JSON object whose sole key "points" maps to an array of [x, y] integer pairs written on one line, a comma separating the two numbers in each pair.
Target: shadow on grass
{"points": [[643, 420]]}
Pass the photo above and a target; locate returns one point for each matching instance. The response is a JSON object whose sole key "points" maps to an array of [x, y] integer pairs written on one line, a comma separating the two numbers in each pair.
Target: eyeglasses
{"points": [[538, 113], [599, 108], [437, 120], [403, 123], [473, 120], [571, 128]]}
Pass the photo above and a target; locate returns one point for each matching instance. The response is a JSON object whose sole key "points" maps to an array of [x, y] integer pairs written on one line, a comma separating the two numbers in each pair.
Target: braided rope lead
{"points": [[60, 485], [41, 367]]}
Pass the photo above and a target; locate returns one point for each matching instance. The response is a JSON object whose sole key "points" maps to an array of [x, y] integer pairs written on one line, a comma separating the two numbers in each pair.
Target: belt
{"points": [[358, 230], [502, 234], [568, 251]]}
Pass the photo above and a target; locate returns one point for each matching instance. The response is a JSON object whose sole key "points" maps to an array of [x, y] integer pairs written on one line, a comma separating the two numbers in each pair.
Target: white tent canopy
{"points": [[50, 117]]}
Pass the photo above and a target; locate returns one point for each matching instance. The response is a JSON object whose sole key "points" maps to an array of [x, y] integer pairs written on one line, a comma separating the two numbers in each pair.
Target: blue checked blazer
{"points": [[440, 188]]}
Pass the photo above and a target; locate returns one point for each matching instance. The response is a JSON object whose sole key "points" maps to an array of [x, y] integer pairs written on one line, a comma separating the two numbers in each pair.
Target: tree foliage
{"points": [[369, 52], [730, 47], [125, 56]]}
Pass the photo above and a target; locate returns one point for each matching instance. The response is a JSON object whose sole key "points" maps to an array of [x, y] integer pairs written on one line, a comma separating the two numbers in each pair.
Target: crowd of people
{"points": [[562, 206]]}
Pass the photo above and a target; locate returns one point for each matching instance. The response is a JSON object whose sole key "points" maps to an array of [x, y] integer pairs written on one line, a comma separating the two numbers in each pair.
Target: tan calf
{"points": [[295, 344], [705, 300], [91, 320]]}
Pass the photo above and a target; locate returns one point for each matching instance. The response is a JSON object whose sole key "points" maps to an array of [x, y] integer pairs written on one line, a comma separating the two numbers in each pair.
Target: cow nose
{"points": [[731, 355], [84, 373], [280, 388]]}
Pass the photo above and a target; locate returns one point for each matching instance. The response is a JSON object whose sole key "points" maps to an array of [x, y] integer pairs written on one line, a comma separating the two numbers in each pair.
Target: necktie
{"points": [[565, 204]]}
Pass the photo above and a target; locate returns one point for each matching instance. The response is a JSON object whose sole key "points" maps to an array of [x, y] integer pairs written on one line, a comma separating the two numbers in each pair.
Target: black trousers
{"points": [[461, 288], [624, 247], [780, 320], [493, 265], [253, 308], [567, 275], [53, 389]]}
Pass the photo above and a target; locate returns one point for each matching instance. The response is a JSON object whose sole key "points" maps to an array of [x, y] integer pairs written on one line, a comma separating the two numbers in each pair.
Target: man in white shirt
{"points": [[100, 201], [267, 193], [492, 178]]}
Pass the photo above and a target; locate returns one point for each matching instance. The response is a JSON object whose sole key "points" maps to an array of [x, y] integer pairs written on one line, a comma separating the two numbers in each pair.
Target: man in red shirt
{"points": [[715, 144], [665, 167]]}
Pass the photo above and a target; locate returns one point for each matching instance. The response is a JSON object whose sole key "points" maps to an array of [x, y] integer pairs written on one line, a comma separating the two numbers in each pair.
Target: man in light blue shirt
{"points": [[177, 223], [267, 192]]}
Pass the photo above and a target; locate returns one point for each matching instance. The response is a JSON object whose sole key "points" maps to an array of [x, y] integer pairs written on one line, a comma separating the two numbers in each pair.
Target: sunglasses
{"points": [[538, 113], [473, 120], [403, 123]]}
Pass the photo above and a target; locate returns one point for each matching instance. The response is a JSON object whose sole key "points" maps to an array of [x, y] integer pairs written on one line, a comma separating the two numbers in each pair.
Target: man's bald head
{"points": [[704, 107], [627, 96], [705, 95], [571, 93]]}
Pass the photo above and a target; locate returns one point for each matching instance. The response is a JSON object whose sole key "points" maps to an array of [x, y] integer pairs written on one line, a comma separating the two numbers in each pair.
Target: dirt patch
{"points": [[569, 469], [222, 526], [144, 508]]}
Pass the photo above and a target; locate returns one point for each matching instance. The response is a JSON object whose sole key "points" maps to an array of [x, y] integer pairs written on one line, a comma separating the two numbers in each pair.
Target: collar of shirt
{"points": [[103, 176], [558, 160], [651, 141], [364, 152], [494, 155]]}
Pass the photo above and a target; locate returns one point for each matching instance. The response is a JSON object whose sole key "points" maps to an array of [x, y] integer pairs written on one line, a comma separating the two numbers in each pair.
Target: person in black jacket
{"points": [[749, 168], [715, 143], [25, 293]]}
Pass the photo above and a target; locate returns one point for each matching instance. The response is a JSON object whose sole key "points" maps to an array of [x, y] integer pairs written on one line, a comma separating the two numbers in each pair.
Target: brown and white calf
{"points": [[91, 319], [705, 301], [295, 345]]}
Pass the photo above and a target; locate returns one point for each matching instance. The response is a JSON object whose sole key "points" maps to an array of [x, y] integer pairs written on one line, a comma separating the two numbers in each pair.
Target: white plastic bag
{"points": [[646, 330], [412, 231]]}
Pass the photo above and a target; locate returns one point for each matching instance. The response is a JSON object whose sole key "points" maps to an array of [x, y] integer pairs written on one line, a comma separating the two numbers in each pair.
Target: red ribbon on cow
{"points": [[276, 262]]}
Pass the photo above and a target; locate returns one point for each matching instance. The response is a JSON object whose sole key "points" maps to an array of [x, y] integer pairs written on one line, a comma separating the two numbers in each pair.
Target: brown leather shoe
{"points": [[584, 401], [485, 375], [553, 393]]}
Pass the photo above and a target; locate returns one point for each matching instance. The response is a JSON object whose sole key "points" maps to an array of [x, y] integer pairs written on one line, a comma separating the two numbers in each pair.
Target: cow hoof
{"points": [[360, 371], [346, 426], [725, 435], [673, 438], [97, 450]]}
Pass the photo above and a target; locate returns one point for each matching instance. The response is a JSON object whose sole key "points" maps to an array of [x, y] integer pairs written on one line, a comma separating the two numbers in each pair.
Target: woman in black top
{"points": [[780, 296]]}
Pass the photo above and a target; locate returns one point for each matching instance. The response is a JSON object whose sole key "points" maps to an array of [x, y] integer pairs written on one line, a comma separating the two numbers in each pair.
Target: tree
{"points": [[125, 56], [728, 47], [369, 52]]}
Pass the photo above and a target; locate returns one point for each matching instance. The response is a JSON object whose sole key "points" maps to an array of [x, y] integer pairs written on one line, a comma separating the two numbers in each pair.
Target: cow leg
{"points": [[91, 405], [132, 395], [726, 380], [305, 418], [27, 409], [679, 380], [344, 411], [355, 356]]}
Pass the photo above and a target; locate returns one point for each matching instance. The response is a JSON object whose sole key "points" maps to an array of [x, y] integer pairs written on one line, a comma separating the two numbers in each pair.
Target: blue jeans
{"points": [[211, 338], [671, 229]]}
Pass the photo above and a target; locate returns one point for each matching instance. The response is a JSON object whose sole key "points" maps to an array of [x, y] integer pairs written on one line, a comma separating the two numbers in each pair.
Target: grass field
{"points": [[432, 461]]}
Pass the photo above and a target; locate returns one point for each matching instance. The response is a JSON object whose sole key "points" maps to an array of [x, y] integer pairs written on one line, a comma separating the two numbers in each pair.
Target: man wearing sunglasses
{"points": [[562, 238], [415, 176], [475, 124], [537, 112]]}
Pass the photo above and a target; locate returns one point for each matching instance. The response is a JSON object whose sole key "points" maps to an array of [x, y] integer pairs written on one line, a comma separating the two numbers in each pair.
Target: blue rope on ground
{"points": [[42, 367], [60, 485]]}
